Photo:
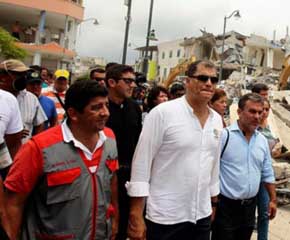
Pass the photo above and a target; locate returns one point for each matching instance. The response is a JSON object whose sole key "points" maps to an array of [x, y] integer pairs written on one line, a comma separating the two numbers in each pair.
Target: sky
{"points": [[173, 19]]}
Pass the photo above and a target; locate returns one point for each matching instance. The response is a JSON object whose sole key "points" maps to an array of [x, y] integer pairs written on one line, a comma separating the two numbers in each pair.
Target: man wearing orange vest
{"points": [[57, 93], [62, 184]]}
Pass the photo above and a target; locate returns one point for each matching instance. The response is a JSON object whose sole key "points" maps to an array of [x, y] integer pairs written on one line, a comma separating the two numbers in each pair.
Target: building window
{"points": [[170, 54], [163, 55], [69, 25], [178, 53], [164, 72]]}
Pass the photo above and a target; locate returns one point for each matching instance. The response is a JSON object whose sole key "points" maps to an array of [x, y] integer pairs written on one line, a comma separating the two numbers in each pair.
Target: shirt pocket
{"points": [[63, 185], [112, 165], [211, 139]]}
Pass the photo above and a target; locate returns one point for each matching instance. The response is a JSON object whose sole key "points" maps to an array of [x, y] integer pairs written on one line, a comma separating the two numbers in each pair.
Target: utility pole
{"points": [[128, 3], [237, 15], [145, 66]]}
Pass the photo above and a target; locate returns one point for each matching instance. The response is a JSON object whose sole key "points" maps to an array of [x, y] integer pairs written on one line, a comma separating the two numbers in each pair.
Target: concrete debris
{"points": [[233, 48], [282, 170]]}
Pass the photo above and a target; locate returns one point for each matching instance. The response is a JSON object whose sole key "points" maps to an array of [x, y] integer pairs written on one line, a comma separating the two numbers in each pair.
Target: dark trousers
{"points": [[124, 202], [235, 219], [179, 231], [3, 235]]}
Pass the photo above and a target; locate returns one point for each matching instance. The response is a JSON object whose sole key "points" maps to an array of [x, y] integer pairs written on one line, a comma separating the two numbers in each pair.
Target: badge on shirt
{"points": [[216, 133]]}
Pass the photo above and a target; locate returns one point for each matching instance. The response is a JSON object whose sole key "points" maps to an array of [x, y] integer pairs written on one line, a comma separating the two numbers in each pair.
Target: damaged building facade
{"points": [[263, 54], [255, 55]]}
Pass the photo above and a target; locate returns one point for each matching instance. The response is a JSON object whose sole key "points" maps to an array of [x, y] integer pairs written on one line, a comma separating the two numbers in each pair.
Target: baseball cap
{"points": [[33, 77], [13, 65], [61, 73]]}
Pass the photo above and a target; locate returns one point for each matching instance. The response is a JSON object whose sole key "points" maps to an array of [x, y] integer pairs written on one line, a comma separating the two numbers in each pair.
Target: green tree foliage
{"points": [[8, 49]]}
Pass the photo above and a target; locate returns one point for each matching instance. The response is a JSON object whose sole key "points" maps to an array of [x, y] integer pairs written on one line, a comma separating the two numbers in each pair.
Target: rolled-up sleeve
{"points": [[149, 142], [268, 172]]}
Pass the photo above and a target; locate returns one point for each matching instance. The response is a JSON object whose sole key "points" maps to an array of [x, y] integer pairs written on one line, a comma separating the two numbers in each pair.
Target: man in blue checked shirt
{"points": [[245, 162]]}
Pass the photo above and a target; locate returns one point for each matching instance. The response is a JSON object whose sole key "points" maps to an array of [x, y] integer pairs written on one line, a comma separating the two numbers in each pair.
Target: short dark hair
{"points": [[177, 86], [140, 78], [97, 70], [153, 94], [254, 97], [36, 68], [115, 72], [258, 87], [80, 93], [110, 64], [192, 68], [218, 93]]}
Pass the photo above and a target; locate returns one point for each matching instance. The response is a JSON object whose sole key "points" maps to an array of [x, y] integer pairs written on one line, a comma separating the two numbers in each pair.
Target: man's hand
{"points": [[214, 204], [24, 133], [136, 227], [272, 209], [212, 217]]}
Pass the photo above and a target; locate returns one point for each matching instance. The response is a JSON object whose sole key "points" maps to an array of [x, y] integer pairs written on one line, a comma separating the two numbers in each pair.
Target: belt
{"points": [[242, 202]]}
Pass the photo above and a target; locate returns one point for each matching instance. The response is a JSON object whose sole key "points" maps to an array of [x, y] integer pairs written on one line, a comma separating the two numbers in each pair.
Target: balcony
{"points": [[58, 28], [51, 49], [72, 8]]}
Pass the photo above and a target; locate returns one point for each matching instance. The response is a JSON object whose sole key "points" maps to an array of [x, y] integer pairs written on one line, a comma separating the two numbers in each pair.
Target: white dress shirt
{"points": [[176, 163]]}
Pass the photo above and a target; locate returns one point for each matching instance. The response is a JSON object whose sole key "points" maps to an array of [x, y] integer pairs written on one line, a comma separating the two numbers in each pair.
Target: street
{"points": [[280, 226]]}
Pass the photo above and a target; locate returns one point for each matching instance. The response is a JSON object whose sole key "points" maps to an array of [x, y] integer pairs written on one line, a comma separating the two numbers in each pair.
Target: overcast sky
{"points": [[174, 19]]}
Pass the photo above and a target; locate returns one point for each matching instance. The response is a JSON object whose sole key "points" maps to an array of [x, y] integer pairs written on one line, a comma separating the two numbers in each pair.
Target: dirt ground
{"points": [[280, 226]]}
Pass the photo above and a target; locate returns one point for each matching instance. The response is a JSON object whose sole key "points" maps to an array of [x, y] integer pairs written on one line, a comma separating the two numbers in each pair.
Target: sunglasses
{"points": [[205, 78], [98, 79], [128, 81]]}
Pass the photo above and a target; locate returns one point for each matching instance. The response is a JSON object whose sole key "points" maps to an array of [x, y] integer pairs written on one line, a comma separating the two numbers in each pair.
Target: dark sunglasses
{"points": [[98, 79], [205, 78], [128, 80]]}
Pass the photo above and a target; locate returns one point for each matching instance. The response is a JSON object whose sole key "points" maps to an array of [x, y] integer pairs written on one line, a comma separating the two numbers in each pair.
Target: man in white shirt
{"points": [[10, 130], [13, 80], [176, 164]]}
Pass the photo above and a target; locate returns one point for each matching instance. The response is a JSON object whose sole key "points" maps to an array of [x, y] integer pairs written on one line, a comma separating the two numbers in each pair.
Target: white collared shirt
{"points": [[10, 117], [176, 163], [68, 137], [31, 111]]}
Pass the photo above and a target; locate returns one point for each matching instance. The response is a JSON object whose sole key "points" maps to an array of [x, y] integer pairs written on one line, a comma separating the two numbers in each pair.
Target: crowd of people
{"points": [[113, 157]]}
